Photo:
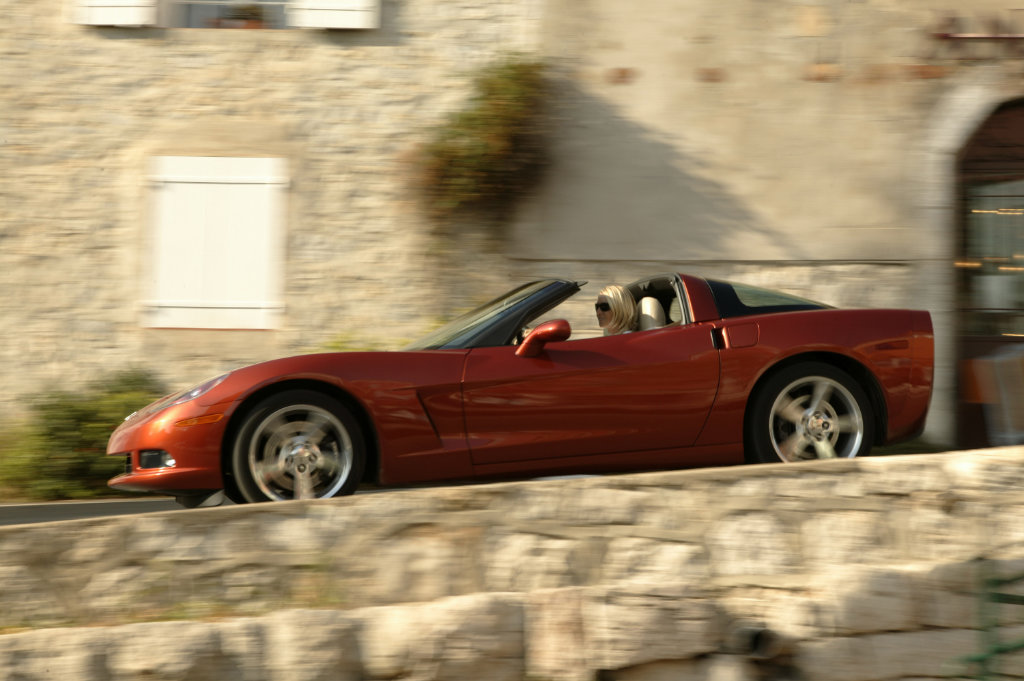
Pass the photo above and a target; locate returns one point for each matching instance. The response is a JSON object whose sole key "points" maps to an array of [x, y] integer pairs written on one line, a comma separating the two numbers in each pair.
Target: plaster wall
{"points": [[755, 140]]}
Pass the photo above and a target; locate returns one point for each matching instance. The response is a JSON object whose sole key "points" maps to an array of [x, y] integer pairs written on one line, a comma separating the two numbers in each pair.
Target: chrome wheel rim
{"points": [[300, 452], [815, 417]]}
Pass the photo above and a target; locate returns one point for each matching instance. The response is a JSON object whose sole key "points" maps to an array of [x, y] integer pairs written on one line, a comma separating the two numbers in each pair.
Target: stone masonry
{"points": [[808, 145], [856, 570], [84, 109]]}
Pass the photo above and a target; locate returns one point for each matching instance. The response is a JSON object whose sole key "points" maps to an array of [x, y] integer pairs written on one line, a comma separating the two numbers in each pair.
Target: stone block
{"points": [[105, 596], [934, 535], [244, 645], [944, 609], [930, 653], [479, 636], [842, 538], [752, 544], [681, 508], [712, 668], [27, 596], [647, 560], [631, 624], [524, 562], [422, 566], [596, 504], [554, 635], [310, 645], [997, 470], [165, 651], [47, 654], [958, 576], [798, 614], [901, 476], [837, 659], [868, 599], [922, 653]]}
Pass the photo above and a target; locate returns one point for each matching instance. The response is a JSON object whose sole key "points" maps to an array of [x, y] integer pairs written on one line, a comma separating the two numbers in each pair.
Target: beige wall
{"points": [[745, 130], [793, 144], [808, 146]]}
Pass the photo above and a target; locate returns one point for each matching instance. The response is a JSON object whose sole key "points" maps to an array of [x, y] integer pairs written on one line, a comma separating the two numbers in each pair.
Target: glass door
{"points": [[993, 260]]}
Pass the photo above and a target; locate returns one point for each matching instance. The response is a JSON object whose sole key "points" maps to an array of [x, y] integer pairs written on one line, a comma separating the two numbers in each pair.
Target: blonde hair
{"points": [[624, 314]]}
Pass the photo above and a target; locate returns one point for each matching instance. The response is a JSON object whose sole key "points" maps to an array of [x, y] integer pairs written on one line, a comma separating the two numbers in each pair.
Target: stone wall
{"points": [[85, 108], [807, 145], [862, 570]]}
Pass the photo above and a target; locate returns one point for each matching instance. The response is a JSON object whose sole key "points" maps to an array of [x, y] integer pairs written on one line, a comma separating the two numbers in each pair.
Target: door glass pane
{"points": [[994, 262]]}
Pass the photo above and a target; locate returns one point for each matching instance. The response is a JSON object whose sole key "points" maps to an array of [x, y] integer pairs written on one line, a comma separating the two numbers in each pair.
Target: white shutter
{"points": [[334, 13], [116, 12], [217, 242]]}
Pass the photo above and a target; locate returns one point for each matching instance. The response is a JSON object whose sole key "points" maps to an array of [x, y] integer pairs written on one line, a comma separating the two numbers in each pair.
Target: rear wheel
{"points": [[298, 444], [809, 411]]}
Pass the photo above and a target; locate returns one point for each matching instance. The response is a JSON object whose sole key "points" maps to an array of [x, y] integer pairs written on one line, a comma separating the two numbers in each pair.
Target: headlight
{"points": [[201, 389]]}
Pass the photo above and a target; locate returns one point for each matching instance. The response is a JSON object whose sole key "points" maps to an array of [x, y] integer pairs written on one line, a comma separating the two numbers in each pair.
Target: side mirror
{"points": [[548, 332]]}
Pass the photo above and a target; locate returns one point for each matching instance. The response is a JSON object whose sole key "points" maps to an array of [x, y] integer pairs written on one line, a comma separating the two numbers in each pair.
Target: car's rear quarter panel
{"points": [[894, 347]]}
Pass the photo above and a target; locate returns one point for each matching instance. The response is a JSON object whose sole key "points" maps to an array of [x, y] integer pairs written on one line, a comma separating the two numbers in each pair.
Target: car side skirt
{"points": [[657, 459]]}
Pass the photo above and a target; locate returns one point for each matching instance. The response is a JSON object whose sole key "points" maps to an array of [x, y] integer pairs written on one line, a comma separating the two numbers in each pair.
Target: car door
{"points": [[638, 391]]}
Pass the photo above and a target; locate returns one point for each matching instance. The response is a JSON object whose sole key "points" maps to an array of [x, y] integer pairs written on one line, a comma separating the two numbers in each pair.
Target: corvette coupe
{"points": [[716, 374]]}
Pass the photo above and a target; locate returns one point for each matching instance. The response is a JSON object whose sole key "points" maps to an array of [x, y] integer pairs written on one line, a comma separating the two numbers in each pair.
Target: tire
{"points": [[809, 411], [298, 444]]}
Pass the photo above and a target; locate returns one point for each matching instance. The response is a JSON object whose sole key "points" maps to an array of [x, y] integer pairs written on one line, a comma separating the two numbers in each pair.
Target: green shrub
{"points": [[59, 451], [489, 155]]}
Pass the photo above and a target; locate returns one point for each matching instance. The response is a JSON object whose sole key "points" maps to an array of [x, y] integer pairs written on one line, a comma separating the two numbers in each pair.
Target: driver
{"points": [[616, 310]]}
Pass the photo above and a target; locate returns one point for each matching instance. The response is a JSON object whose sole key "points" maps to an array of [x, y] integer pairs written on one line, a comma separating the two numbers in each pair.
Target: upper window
{"points": [[327, 14], [221, 14], [216, 252]]}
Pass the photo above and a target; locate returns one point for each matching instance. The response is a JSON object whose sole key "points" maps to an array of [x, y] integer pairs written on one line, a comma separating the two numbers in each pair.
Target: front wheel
{"points": [[298, 444], [809, 411]]}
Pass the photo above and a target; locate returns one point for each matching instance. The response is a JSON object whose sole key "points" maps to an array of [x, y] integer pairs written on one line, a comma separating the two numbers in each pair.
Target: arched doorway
{"points": [[989, 252]]}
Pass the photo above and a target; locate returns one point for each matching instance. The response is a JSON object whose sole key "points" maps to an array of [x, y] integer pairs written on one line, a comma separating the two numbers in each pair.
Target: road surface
{"points": [[21, 514], [53, 511]]}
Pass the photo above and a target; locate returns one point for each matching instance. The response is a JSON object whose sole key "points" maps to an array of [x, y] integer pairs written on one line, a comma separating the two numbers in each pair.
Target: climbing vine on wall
{"points": [[488, 156]]}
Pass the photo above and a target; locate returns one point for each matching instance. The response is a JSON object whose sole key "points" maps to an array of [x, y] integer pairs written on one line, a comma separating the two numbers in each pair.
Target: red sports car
{"points": [[717, 374]]}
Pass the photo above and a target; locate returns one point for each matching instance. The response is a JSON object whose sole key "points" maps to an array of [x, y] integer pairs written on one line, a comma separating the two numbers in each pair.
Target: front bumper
{"points": [[191, 434]]}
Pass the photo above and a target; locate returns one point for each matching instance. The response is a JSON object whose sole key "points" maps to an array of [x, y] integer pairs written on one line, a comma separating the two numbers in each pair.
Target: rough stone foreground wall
{"points": [[866, 567], [621, 633]]}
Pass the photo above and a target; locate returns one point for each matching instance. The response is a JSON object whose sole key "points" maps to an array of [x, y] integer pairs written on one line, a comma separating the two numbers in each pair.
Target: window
{"points": [[739, 300], [221, 14], [326, 14], [216, 248]]}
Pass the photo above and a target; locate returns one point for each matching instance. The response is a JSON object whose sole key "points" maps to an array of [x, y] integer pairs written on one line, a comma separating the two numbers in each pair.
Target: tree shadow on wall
{"points": [[617, 190]]}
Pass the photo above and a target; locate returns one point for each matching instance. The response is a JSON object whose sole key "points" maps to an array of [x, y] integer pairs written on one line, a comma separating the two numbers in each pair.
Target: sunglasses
{"points": [[602, 307]]}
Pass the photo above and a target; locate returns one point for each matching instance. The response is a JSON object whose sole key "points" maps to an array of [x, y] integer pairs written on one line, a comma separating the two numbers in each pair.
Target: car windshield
{"points": [[465, 324]]}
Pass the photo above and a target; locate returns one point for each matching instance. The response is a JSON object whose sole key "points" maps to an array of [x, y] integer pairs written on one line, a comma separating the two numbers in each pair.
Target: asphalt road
{"points": [[55, 511], [24, 514]]}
